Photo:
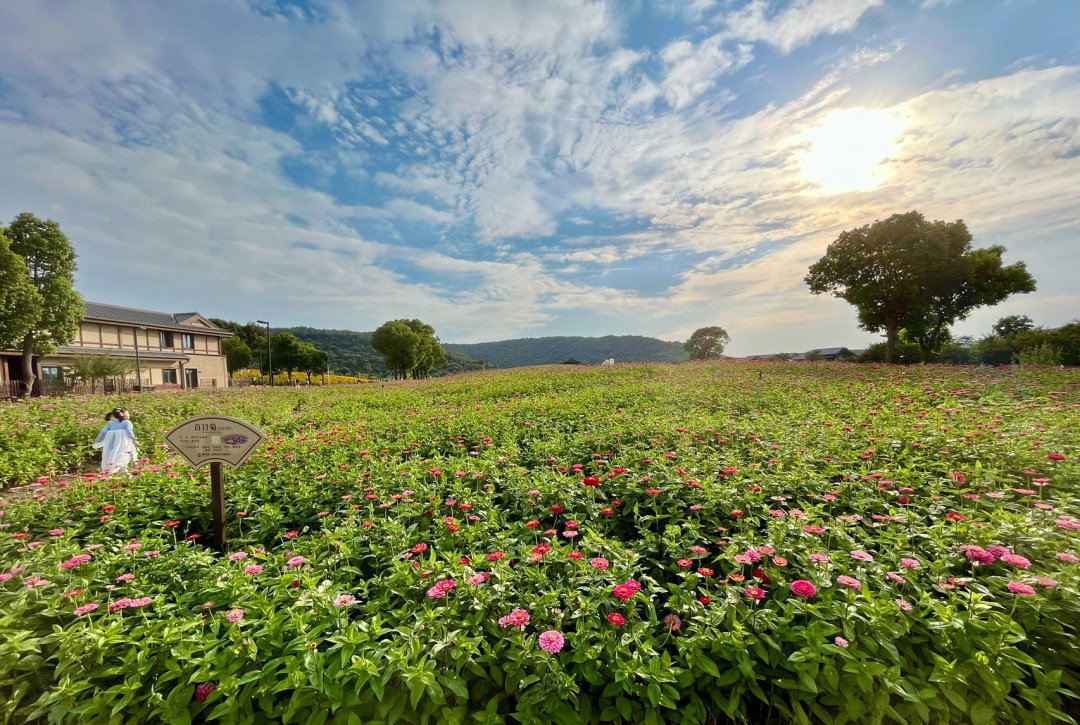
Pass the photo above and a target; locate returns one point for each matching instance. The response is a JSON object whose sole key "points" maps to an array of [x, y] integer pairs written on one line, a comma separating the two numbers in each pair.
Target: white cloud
{"points": [[798, 23]]}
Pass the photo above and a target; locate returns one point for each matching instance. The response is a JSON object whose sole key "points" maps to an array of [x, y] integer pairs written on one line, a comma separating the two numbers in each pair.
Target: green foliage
{"points": [[1045, 354], [905, 353], [237, 353], [19, 298], [905, 273], [706, 463], [706, 343], [408, 346], [57, 309], [1012, 324], [992, 350], [94, 368], [287, 353], [527, 351]]}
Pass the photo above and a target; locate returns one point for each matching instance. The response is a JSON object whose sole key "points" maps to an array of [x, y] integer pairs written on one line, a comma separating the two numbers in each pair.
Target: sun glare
{"points": [[848, 150]]}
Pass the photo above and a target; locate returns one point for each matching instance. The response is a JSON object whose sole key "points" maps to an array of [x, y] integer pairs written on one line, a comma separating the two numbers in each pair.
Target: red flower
{"points": [[203, 691], [616, 619], [705, 600], [590, 481], [556, 509]]}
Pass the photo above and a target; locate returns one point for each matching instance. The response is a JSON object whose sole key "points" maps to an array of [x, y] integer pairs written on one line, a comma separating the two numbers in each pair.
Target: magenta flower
{"points": [[551, 641], [86, 609], [253, 569], [1016, 560], [75, 561], [124, 578], [600, 563], [1022, 589], [1067, 557], [910, 563], [203, 691], [238, 556], [296, 561], [517, 618], [755, 593], [803, 588]]}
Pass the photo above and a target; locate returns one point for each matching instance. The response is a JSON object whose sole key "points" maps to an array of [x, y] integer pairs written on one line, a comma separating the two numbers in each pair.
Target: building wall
{"points": [[203, 351]]}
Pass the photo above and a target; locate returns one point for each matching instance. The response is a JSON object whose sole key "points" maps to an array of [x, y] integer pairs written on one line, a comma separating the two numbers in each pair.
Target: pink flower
{"points": [[600, 563], [477, 579], [978, 555], [35, 581], [849, 582], [344, 600], [905, 605], [841, 642], [203, 691], [755, 593], [803, 588], [517, 618], [238, 556], [133, 547], [622, 591], [86, 609], [861, 556], [1016, 560], [119, 604], [234, 615], [141, 602], [551, 641], [896, 577], [811, 529], [1067, 557], [1047, 583], [779, 561], [673, 622], [819, 558], [125, 578], [296, 561], [56, 532], [684, 562], [151, 554], [909, 563], [253, 569], [1022, 589], [617, 619], [75, 561]]}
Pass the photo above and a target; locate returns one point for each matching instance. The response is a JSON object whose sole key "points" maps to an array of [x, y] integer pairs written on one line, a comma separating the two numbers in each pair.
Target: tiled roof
{"points": [[113, 352], [133, 316]]}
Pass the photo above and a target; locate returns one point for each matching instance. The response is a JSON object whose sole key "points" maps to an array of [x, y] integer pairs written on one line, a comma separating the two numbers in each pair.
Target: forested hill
{"points": [[554, 350], [351, 353]]}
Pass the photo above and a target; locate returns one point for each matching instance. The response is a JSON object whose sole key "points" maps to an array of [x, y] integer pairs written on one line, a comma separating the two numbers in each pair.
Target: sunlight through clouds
{"points": [[849, 150]]}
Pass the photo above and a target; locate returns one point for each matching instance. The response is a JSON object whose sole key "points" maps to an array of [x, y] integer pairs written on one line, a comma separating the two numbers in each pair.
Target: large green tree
{"points": [[707, 342], [237, 353], [19, 298], [907, 273], [57, 309], [287, 352], [399, 344]]}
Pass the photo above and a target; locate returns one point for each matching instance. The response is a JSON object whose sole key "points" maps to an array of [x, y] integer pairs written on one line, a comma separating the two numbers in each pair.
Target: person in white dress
{"points": [[117, 442]]}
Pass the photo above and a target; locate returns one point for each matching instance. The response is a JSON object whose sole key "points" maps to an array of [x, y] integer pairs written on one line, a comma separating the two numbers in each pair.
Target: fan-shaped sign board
{"points": [[214, 439]]}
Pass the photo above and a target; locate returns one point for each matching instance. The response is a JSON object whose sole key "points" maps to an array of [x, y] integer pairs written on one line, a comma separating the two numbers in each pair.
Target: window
{"points": [[168, 376], [50, 373], [166, 339], [191, 378], [188, 340]]}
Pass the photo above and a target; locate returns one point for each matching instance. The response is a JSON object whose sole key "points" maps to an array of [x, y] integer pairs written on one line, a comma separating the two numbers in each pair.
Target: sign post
{"points": [[216, 440]]}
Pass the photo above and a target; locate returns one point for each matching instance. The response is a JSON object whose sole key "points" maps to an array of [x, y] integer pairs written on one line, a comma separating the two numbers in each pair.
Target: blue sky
{"points": [[519, 169]]}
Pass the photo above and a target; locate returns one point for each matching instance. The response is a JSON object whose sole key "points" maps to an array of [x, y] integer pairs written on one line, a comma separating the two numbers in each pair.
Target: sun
{"points": [[848, 150]]}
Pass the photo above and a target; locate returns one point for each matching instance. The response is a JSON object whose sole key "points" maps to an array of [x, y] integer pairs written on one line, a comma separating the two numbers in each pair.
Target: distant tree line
{"points": [[1013, 339]]}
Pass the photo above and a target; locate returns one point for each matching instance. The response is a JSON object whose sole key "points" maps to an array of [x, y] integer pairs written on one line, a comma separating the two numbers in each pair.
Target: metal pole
{"points": [[138, 366], [269, 359], [217, 494]]}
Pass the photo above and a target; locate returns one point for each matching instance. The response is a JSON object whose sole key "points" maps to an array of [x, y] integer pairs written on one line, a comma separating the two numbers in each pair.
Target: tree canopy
{"points": [[55, 312], [408, 346], [907, 273], [237, 353], [707, 342], [19, 298]]}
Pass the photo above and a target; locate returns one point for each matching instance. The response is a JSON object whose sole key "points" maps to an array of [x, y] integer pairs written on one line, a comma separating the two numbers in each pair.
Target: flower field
{"points": [[650, 544]]}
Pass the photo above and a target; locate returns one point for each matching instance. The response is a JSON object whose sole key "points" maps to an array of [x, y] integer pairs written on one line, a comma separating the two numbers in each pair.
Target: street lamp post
{"points": [[269, 359], [138, 365]]}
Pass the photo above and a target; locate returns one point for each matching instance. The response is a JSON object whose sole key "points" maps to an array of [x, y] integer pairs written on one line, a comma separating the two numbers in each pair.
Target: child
{"points": [[116, 441]]}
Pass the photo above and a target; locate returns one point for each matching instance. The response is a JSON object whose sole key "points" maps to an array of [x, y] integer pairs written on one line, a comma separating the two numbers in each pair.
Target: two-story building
{"points": [[181, 350]]}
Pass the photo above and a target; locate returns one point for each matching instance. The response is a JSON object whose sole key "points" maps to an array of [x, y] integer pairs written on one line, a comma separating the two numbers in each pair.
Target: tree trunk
{"points": [[28, 364], [309, 378], [890, 342]]}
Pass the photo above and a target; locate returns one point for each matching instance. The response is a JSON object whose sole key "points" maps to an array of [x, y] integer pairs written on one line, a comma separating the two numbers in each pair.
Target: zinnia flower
{"points": [[849, 582], [238, 556], [203, 691], [344, 600], [803, 588], [86, 609], [841, 642], [296, 561], [755, 593], [673, 621], [235, 615], [551, 641], [1022, 589], [616, 619], [600, 563], [909, 563], [253, 569], [1016, 560]]}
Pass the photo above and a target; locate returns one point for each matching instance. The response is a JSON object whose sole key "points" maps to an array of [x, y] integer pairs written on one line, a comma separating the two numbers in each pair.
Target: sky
{"points": [[503, 169]]}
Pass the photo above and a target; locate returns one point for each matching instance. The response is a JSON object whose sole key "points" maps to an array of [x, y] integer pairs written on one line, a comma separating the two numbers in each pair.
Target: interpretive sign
{"points": [[216, 440]]}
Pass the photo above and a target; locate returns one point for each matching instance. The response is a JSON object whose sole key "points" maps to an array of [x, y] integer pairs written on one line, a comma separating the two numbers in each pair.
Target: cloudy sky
{"points": [[520, 169]]}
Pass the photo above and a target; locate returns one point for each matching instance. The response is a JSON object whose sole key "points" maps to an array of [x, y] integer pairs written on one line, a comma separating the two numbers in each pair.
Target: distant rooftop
{"points": [[135, 316]]}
